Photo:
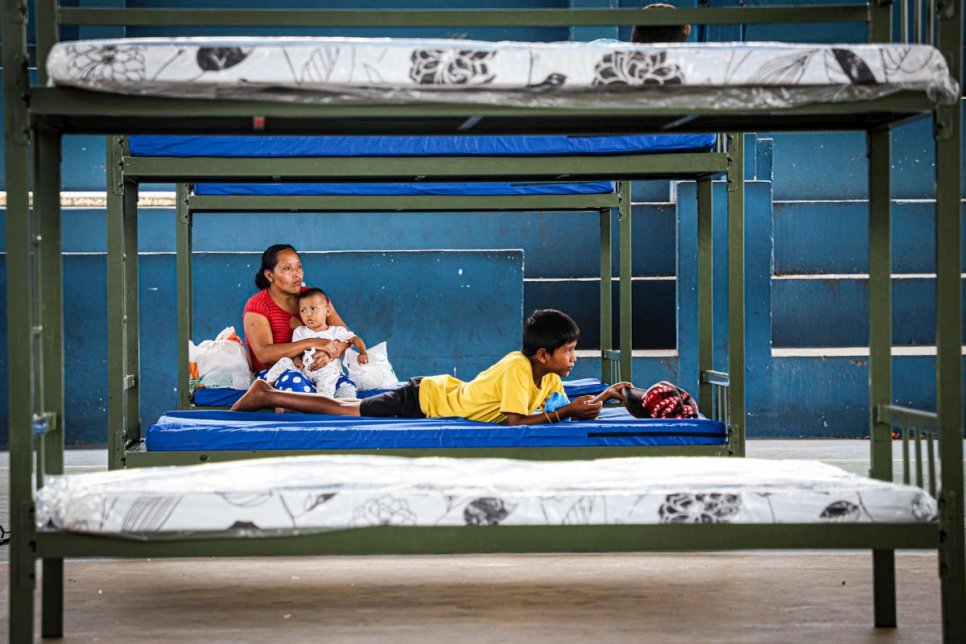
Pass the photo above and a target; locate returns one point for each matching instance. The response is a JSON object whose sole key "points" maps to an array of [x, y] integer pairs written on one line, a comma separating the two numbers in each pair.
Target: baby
{"points": [[313, 309]]}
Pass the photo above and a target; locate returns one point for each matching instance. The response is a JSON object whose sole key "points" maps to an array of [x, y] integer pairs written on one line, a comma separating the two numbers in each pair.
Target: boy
{"points": [[313, 305], [512, 391]]}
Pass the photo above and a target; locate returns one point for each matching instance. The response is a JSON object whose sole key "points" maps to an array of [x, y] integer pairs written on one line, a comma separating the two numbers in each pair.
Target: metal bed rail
{"points": [[915, 427]]}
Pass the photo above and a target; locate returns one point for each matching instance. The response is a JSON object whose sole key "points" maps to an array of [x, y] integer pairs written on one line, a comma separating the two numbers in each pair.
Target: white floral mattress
{"points": [[315, 493], [727, 75]]}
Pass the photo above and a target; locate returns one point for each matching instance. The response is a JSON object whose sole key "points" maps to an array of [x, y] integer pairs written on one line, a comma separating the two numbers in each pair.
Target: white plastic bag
{"points": [[222, 362], [378, 374]]}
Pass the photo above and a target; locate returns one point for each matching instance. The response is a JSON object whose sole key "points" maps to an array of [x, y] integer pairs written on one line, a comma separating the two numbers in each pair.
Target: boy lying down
{"points": [[514, 391]]}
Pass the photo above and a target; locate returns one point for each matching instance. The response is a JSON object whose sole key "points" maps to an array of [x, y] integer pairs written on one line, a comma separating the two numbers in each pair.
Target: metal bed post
{"points": [[626, 298], [48, 293], [949, 330], [21, 351], [705, 296], [606, 296], [123, 418], [880, 349], [184, 292], [736, 292]]}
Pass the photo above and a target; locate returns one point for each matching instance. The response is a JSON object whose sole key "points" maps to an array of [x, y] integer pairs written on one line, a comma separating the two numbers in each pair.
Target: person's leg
{"points": [[261, 395]]}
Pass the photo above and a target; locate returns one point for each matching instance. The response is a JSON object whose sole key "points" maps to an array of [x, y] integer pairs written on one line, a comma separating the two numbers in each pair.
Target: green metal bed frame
{"points": [[36, 117], [125, 444]]}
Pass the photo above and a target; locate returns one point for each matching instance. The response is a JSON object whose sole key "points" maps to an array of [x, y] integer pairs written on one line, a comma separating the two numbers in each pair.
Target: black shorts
{"points": [[398, 403]]}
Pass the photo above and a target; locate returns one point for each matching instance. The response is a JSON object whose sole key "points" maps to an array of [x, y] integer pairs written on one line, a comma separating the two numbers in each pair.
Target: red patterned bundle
{"points": [[666, 400]]}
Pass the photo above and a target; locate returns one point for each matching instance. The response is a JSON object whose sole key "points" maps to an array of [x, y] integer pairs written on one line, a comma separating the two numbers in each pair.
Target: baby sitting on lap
{"points": [[313, 308]]}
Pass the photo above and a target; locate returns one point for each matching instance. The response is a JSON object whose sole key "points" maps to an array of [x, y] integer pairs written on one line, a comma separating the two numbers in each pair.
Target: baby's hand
{"points": [[363, 358]]}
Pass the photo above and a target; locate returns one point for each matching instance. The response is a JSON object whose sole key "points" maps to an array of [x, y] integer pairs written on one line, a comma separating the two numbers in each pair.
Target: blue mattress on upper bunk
{"points": [[495, 188], [224, 430], [397, 146]]}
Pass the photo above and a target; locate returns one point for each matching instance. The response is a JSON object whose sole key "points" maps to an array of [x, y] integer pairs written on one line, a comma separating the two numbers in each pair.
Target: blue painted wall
{"points": [[806, 256]]}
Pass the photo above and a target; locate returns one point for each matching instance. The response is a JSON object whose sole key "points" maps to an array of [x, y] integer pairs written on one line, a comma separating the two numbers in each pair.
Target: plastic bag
{"points": [[220, 363], [378, 374]]}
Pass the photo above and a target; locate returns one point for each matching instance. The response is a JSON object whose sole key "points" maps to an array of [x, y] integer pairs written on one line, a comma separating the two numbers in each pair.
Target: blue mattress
{"points": [[225, 430], [393, 146], [208, 397], [499, 188]]}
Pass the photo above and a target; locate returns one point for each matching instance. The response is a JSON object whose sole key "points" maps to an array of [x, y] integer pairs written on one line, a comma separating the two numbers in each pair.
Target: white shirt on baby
{"points": [[326, 377]]}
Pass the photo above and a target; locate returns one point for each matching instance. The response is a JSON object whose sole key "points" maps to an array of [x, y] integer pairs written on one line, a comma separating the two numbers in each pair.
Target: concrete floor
{"points": [[752, 597], [793, 597]]}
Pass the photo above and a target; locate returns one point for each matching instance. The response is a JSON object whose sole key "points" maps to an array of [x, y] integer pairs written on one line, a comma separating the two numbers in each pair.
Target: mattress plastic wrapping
{"points": [[688, 76], [317, 493], [199, 430]]}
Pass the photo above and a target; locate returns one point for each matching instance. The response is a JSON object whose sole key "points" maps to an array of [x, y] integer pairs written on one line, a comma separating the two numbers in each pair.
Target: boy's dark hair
{"points": [[269, 262], [309, 292], [660, 33], [548, 329]]}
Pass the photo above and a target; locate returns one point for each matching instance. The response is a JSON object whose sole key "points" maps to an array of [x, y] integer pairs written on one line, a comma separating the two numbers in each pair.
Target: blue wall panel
{"points": [[834, 312], [827, 165], [822, 237], [652, 309], [828, 397]]}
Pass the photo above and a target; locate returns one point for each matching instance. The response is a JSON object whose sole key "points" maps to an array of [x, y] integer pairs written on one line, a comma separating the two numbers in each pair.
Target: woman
{"points": [[272, 314]]}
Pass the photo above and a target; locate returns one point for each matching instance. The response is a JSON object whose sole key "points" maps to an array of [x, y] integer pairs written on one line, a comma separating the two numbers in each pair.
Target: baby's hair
{"points": [[548, 329], [309, 292], [269, 262]]}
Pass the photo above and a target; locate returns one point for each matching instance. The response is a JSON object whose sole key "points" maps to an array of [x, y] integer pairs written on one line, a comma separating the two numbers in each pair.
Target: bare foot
{"points": [[254, 398]]}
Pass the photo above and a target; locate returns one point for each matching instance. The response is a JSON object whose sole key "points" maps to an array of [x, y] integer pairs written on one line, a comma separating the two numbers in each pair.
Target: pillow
{"points": [[378, 374]]}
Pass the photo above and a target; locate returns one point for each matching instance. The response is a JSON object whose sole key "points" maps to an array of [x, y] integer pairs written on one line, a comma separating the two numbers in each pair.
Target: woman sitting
{"points": [[272, 314]]}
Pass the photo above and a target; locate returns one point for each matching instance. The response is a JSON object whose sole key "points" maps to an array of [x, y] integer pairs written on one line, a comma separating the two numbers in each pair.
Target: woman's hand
{"points": [[329, 347], [363, 358], [319, 360]]}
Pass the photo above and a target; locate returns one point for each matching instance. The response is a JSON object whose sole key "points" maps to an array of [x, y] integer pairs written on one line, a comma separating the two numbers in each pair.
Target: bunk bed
{"points": [[37, 117], [187, 438]]}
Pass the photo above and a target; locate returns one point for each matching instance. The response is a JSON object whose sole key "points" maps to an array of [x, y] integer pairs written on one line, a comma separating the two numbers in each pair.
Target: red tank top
{"points": [[278, 318]]}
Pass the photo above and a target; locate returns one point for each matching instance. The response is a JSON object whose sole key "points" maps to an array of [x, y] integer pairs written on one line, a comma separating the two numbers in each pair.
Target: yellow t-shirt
{"points": [[506, 387]]}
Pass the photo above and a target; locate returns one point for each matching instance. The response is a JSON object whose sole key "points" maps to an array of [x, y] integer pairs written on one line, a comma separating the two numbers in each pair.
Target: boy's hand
{"points": [[614, 391], [363, 358], [582, 408]]}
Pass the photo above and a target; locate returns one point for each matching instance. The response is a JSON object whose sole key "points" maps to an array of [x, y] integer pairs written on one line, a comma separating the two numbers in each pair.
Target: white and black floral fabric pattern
{"points": [[315, 493], [359, 69]]}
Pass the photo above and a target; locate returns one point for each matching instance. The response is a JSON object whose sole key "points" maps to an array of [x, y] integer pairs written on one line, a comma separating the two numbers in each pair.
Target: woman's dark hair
{"points": [[548, 329], [269, 262]]}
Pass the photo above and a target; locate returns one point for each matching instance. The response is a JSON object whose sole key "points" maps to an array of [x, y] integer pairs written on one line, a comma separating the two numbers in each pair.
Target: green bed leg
{"points": [[705, 295], [736, 292], [48, 291], [606, 295], [123, 416], [184, 293], [880, 350], [949, 333], [626, 276]]}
